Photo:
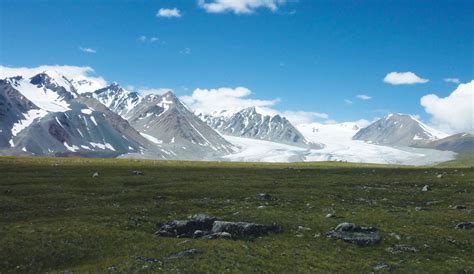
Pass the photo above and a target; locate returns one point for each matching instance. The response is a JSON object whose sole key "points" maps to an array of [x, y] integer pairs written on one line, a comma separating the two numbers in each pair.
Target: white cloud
{"points": [[78, 74], [158, 91], [454, 113], [230, 100], [211, 101], [239, 6], [87, 50], [349, 102], [304, 117], [145, 39], [185, 51], [403, 78], [452, 80], [169, 13], [363, 97]]}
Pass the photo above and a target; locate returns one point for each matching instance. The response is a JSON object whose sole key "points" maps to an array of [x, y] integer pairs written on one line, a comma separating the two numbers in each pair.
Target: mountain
{"points": [[460, 143], [117, 99], [44, 115], [167, 120], [250, 123], [398, 130]]}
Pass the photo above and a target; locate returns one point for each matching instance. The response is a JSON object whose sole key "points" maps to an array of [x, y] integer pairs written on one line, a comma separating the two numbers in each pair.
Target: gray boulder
{"points": [[465, 225], [353, 233]]}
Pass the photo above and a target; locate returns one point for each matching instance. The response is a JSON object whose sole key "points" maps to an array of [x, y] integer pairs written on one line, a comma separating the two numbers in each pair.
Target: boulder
{"points": [[465, 225], [264, 197], [208, 227], [137, 172], [353, 233], [95, 174], [426, 188]]}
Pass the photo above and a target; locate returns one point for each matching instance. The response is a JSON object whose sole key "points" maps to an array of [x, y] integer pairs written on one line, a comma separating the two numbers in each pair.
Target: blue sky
{"points": [[312, 55]]}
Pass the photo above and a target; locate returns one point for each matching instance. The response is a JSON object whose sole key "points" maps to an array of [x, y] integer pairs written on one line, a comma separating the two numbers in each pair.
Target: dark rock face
{"points": [[208, 227], [466, 225], [353, 233]]}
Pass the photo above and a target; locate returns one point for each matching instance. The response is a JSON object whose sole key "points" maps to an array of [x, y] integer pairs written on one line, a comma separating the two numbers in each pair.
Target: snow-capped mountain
{"points": [[398, 130], [117, 99], [250, 123], [167, 120], [44, 115]]}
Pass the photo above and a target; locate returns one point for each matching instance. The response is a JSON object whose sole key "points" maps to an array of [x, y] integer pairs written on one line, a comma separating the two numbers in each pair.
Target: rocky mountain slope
{"points": [[398, 130], [250, 123], [460, 143]]}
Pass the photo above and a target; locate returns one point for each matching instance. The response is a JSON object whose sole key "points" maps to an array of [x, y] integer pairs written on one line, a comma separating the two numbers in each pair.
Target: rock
{"points": [[396, 236], [244, 230], [95, 175], [264, 197], [261, 207], [187, 228], [426, 188], [382, 266], [304, 228], [208, 227], [439, 176], [147, 260], [396, 249], [459, 207], [353, 233], [330, 215], [465, 225], [137, 172], [185, 253]]}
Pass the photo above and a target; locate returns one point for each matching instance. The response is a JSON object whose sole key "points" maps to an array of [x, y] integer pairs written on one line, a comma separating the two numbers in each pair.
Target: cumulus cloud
{"points": [[454, 113], [349, 102], [145, 39], [227, 100], [212, 101], [87, 50], [363, 97], [169, 13], [403, 78], [304, 117], [78, 74], [452, 80], [158, 91], [239, 6]]}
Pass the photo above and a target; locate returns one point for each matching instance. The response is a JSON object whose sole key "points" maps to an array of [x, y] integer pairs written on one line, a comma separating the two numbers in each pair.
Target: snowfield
{"points": [[339, 146]]}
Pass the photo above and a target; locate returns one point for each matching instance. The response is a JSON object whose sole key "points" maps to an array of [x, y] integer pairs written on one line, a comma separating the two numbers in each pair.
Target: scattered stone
{"points": [[264, 197], [459, 207], [439, 176], [353, 233], [426, 188], [95, 175], [147, 260], [137, 172], [396, 249], [382, 266], [465, 225], [396, 236], [330, 215], [304, 228], [261, 207], [208, 227], [185, 253], [8, 191]]}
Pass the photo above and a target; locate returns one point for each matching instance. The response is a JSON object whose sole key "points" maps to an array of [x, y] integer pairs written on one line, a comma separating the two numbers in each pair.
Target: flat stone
{"points": [[186, 253], [353, 233], [465, 225]]}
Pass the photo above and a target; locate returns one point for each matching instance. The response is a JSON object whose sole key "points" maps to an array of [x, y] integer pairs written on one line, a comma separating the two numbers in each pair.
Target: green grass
{"points": [[55, 217]]}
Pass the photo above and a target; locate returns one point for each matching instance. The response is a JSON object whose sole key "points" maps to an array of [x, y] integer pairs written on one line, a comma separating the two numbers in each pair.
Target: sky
{"points": [[314, 60]]}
